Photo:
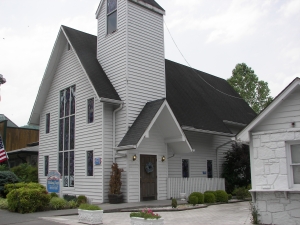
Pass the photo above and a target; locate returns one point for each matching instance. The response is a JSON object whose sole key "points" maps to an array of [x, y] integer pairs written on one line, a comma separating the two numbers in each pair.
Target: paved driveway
{"points": [[233, 214]]}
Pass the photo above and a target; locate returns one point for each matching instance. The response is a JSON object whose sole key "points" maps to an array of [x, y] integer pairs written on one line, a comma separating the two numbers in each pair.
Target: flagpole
{"points": [[7, 160], [3, 147]]}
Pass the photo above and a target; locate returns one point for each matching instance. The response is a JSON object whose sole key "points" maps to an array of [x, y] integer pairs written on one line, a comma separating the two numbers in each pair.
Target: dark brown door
{"points": [[148, 177]]}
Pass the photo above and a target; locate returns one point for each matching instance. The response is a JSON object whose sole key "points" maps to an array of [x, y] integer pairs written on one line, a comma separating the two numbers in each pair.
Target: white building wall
{"points": [[205, 146], [87, 136], [154, 145]]}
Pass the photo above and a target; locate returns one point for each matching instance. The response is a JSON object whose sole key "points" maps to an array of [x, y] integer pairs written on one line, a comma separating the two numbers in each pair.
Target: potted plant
{"points": [[145, 217], [115, 196], [90, 214]]}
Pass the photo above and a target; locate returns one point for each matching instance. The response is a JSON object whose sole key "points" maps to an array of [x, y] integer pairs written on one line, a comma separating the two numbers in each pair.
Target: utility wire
{"points": [[195, 70]]}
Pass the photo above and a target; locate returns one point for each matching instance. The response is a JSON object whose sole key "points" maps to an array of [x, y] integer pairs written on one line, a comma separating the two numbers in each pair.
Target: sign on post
{"points": [[53, 182]]}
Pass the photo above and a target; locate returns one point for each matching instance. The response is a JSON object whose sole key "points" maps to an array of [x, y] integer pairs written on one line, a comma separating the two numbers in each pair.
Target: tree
{"points": [[254, 91], [236, 168]]}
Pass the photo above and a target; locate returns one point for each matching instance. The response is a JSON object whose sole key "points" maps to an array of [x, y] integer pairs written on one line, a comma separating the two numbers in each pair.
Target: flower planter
{"points": [[142, 221], [115, 199], [90, 216]]}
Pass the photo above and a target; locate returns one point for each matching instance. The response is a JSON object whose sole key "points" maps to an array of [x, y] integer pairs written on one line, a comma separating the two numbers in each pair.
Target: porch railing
{"points": [[189, 185]]}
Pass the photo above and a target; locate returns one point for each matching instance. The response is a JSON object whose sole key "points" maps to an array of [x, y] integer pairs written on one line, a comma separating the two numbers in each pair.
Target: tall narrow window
{"points": [[185, 168], [90, 110], [66, 143], [111, 16], [89, 163], [295, 164], [46, 165], [47, 123], [209, 169]]}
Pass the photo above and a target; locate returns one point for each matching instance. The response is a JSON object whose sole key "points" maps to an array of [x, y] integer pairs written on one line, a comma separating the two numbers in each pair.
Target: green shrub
{"points": [[26, 200], [229, 196], [3, 167], [53, 195], [9, 187], [193, 200], [241, 193], [85, 206], [3, 203], [58, 203], [72, 204], [7, 177], [70, 197], [81, 199], [221, 196], [212, 192], [26, 172], [174, 203], [209, 197], [199, 196]]}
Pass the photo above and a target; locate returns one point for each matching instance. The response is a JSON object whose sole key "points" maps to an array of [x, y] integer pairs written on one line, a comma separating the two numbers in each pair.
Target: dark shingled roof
{"points": [[141, 123], [153, 3], [85, 46], [198, 105]]}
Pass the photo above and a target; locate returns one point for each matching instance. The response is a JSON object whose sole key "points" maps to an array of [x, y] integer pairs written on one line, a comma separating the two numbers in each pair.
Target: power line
{"points": [[195, 70]]}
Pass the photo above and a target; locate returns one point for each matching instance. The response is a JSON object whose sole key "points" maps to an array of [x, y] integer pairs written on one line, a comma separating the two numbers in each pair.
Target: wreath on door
{"points": [[149, 167]]}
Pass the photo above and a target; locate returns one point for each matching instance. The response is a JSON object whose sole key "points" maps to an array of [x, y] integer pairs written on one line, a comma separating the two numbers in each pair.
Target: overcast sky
{"points": [[213, 36]]}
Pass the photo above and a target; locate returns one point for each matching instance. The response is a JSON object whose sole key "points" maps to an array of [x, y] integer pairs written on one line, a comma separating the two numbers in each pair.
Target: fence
{"points": [[189, 185]]}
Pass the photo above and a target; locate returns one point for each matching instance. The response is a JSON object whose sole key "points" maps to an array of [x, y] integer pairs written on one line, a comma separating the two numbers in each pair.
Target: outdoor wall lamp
{"points": [[163, 158], [134, 157]]}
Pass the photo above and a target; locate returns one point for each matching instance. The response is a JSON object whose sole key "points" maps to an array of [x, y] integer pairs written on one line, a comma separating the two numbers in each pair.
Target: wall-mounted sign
{"points": [[204, 172], [98, 161], [53, 183]]}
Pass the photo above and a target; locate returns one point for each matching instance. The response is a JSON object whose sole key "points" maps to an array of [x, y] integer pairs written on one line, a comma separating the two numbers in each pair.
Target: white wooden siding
{"points": [[154, 145], [146, 63], [112, 55], [205, 146], [87, 136], [284, 114]]}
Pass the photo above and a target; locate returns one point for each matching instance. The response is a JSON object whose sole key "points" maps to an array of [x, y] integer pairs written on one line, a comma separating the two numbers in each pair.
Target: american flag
{"points": [[3, 156]]}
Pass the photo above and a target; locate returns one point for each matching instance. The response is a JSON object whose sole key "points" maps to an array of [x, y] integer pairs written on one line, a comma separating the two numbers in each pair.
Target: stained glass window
{"points": [[209, 169], [185, 168], [67, 136], [90, 110], [46, 165], [111, 16], [47, 123], [89, 163]]}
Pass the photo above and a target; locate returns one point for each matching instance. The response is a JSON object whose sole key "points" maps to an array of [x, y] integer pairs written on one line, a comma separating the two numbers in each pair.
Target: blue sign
{"points": [[203, 172], [53, 182], [98, 161]]}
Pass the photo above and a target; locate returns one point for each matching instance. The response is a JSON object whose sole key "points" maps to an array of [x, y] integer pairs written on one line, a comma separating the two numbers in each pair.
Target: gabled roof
{"points": [[141, 123], [9, 122], [153, 3], [243, 135], [198, 104]]}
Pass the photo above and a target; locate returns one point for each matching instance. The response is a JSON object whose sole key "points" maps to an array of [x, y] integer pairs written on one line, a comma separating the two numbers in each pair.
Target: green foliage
{"points": [[229, 196], [193, 199], [9, 187], [85, 206], [58, 203], [115, 182], [146, 214], [53, 195], [241, 193], [254, 91], [26, 172], [3, 203], [3, 167], [81, 199], [236, 167], [221, 196], [174, 203], [73, 198], [212, 192], [7, 177], [199, 196], [72, 204], [254, 214], [27, 200], [209, 197]]}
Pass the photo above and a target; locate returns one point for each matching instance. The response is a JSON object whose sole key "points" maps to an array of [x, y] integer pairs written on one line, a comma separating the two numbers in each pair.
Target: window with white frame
{"points": [[89, 163], [185, 168], [294, 164], [111, 16], [66, 143], [46, 165], [90, 110], [47, 123]]}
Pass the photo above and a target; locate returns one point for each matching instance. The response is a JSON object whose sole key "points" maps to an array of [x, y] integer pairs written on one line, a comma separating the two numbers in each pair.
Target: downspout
{"points": [[217, 152], [114, 131]]}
